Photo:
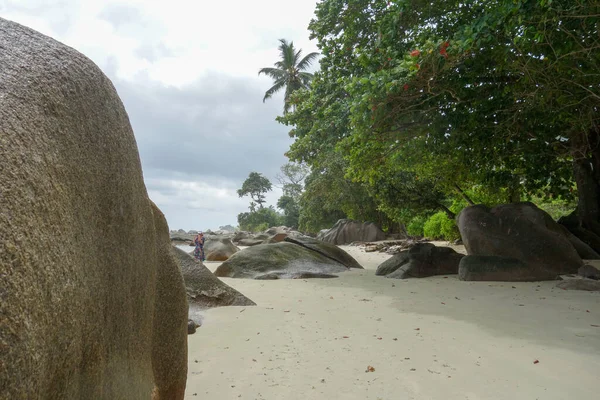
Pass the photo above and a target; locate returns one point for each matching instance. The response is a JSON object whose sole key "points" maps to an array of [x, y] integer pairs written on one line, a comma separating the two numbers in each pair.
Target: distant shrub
{"points": [[415, 226], [439, 226]]}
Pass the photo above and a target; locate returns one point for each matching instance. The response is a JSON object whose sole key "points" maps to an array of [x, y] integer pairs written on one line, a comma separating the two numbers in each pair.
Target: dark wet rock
{"points": [[494, 268], [203, 288], [589, 271], [92, 303], [519, 231], [420, 261], [326, 249], [580, 284], [219, 248], [346, 231], [192, 325], [285, 259]]}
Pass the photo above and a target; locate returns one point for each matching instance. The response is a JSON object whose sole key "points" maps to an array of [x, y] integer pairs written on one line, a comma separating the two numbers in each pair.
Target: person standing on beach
{"points": [[199, 250]]}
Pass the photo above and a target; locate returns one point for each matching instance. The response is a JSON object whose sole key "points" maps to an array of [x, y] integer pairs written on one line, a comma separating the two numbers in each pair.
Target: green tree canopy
{"points": [[502, 95], [255, 186]]}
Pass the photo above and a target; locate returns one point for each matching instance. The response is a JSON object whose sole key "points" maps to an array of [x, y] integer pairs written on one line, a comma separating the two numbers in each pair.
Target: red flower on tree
{"points": [[415, 53]]}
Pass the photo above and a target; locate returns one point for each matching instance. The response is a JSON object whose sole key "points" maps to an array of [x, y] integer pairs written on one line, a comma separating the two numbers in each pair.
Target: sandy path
{"points": [[433, 338]]}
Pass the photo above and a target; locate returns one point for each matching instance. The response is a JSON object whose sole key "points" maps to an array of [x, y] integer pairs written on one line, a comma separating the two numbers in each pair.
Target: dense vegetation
{"points": [[421, 108]]}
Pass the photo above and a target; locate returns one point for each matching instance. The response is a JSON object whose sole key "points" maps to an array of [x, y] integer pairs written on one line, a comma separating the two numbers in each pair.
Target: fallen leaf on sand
{"points": [[443, 303], [595, 326], [379, 338], [536, 361], [286, 310], [345, 337], [370, 369], [242, 310], [331, 297], [395, 338], [417, 329]]}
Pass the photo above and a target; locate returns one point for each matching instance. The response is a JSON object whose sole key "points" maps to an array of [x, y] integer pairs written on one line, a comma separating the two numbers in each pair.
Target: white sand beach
{"points": [[430, 338]]}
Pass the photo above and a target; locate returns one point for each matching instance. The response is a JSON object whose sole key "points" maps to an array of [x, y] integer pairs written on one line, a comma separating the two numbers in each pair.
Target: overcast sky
{"points": [[187, 73]]}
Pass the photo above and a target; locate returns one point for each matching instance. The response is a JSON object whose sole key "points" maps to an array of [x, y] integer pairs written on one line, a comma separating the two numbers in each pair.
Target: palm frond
{"points": [[307, 61], [274, 73], [279, 84]]}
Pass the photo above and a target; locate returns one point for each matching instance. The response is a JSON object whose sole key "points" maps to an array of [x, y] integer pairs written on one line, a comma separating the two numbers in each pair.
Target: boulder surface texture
{"points": [[284, 260], [519, 231], [219, 248], [420, 261], [203, 288], [92, 302], [346, 231]]}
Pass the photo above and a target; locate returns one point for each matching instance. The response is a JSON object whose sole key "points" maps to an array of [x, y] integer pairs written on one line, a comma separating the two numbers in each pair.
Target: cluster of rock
{"points": [[514, 242], [390, 246]]}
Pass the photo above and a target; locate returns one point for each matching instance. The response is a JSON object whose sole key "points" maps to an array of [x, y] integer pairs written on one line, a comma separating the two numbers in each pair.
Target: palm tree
{"points": [[289, 72]]}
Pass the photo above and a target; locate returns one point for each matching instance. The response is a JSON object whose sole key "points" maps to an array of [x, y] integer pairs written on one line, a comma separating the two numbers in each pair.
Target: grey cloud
{"points": [[59, 14], [153, 52], [217, 128]]}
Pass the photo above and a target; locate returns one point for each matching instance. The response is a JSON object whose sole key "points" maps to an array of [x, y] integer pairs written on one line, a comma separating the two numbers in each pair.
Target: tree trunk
{"points": [[464, 195], [585, 222]]}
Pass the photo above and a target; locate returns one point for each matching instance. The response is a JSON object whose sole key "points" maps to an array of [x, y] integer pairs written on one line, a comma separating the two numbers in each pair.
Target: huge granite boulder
{"points": [[203, 288], [325, 249], [518, 231], [346, 231], [494, 268], [279, 260], [250, 242], [219, 248], [420, 261], [92, 302]]}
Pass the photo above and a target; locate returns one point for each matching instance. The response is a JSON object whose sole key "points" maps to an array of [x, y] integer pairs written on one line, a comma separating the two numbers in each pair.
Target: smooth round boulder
{"points": [[519, 231], [495, 268], [203, 288], [326, 249], [346, 231], [420, 261], [218, 248], [285, 259], [92, 302]]}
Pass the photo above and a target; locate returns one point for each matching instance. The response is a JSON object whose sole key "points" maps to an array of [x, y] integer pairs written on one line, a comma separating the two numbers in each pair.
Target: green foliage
{"points": [[289, 72], [259, 220], [439, 227], [556, 207], [255, 186], [415, 226], [291, 210], [420, 105]]}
